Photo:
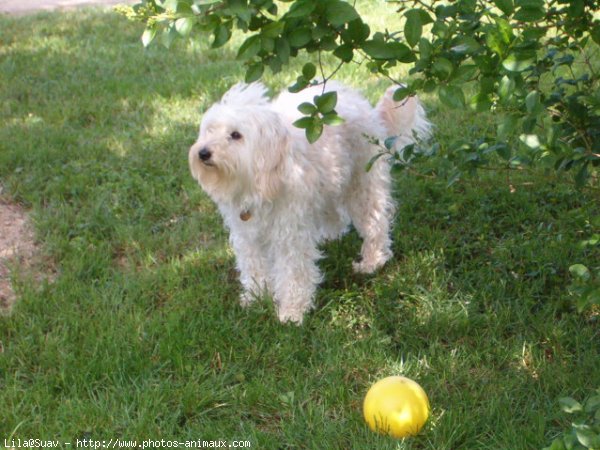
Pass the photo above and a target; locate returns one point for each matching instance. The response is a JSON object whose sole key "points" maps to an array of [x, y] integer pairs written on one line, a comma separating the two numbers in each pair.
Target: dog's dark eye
{"points": [[235, 135]]}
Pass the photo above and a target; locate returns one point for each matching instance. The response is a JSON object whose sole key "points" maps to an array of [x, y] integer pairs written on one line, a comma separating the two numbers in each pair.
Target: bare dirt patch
{"points": [[17, 249]]}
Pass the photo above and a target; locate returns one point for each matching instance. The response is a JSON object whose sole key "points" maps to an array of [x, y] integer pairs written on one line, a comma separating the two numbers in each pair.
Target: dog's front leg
{"points": [[252, 265], [295, 276]]}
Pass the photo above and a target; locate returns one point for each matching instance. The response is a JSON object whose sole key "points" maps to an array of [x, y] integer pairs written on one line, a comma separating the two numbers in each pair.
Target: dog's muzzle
{"points": [[204, 154]]}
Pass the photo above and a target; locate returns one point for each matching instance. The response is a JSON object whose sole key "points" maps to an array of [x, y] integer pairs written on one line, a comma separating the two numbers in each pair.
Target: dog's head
{"points": [[241, 147]]}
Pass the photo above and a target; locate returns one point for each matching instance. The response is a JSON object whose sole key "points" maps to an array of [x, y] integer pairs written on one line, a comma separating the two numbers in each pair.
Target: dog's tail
{"points": [[406, 119]]}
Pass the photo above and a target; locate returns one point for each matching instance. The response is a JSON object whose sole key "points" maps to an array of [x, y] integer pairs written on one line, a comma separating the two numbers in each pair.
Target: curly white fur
{"points": [[281, 196]]}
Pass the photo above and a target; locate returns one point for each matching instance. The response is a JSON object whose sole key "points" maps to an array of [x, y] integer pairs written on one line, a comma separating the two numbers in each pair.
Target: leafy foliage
{"points": [[533, 64], [585, 430]]}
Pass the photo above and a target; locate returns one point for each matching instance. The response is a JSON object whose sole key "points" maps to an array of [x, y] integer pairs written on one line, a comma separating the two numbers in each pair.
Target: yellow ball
{"points": [[396, 406]]}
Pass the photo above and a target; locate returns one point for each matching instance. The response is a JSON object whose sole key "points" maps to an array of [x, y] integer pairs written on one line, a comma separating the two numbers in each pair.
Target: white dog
{"points": [[281, 196]]}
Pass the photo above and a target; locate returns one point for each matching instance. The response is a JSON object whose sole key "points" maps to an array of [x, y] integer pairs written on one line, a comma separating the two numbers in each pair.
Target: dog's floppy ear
{"points": [[269, 160]]}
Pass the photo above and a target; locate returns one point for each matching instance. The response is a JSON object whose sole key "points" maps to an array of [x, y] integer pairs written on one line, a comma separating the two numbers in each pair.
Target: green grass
{"points": [[141, 336]]}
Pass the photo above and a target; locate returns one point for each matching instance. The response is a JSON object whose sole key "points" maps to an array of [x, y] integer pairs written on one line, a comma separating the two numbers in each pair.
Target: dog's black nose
{"points": [[204, 154]]}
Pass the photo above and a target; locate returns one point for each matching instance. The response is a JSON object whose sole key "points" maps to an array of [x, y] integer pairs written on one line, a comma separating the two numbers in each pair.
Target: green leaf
{"points": [[339, 12], [240, 9], [532, 102], [320, 30], [300, 84], [402, 53], [425, 49], [307, 108], [530, 14], [314, 131], [518, 62], [344, 52], [505, 29], [445, 11], [464, 73], [442, 68], [429, 86], [499, 36], [495, 43], [557, 444], [568, 404], [401, 93], [466, 7], [332, 119], [530, 140], [273, 29], [592, 404], [529, 3], [465, 45], [503, 150], [254, 72], [440, 29], [506, 6], [303, 122], [413, 28], [372, 161], [184, 9], [486, 85], [506, 87], [390, 142], [595, 32], [328, 43], [267, 44], [282, 48], [377, 49], [168, 35], [222, 35], [300, 37], [576, 8], [452, 96], [454, 178], [309, 70], [249, 48], [425, 17], [507, 127], [274, 64], [582, 175], [148, 36], [301, 8], [586, 436], [184, 25], [326, 102], [358, 31], [481, 102], [170, 5], [529, 124]]}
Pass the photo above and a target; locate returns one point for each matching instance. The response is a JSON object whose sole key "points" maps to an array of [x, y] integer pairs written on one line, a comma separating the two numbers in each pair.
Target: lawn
{"points": [[140, 335]]}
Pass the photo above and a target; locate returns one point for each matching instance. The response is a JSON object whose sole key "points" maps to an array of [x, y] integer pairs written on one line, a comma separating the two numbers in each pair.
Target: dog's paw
{"points": [[372, 262], [368, 266], [294, 317]]}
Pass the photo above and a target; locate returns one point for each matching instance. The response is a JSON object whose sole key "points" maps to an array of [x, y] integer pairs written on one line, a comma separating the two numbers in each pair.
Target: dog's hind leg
{"points": [[371, 208]]}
